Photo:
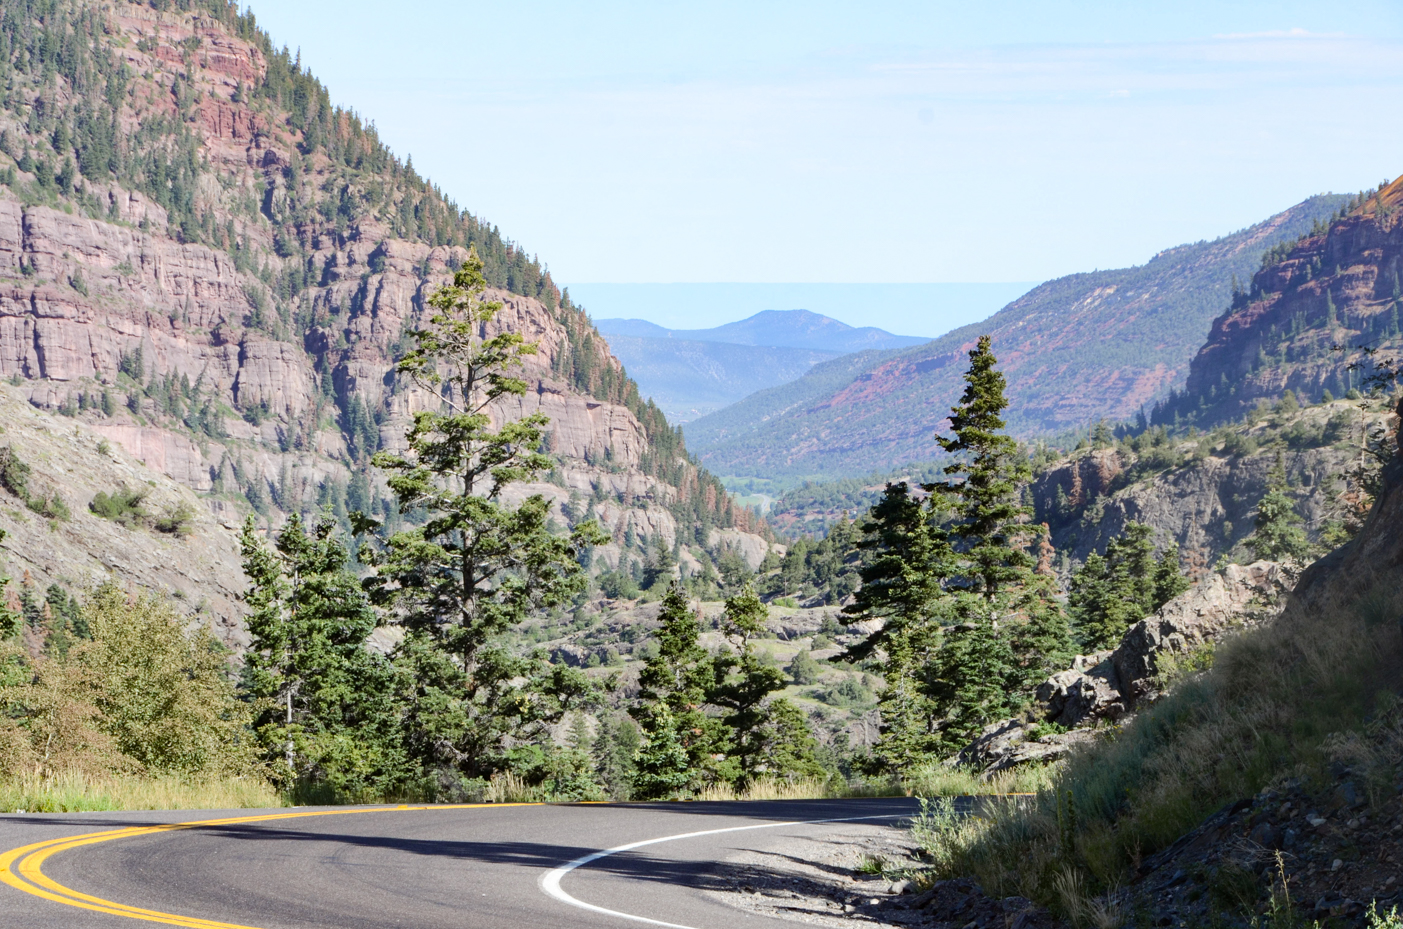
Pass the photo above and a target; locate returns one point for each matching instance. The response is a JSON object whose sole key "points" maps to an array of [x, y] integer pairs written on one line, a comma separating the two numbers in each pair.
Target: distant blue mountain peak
{"points": [[773, 329]]}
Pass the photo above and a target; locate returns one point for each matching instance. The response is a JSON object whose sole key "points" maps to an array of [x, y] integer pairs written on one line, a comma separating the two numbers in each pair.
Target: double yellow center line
{"points": [[22, 868]]}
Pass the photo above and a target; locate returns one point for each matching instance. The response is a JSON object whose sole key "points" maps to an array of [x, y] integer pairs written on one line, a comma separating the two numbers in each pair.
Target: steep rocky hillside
{"points": [[1201, 491], [204, 261], [62, 542], [1303, 325], [1077, 349]]}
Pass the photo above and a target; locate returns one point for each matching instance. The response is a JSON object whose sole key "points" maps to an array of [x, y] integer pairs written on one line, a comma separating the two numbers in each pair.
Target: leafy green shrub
{"points": [[803, 669], [1305, 435], [14, 477], [848, 692], [175, 520], [121, 506], [1338, 427], [14, 474], [617, 585], [1238, 445], [50, 507]]}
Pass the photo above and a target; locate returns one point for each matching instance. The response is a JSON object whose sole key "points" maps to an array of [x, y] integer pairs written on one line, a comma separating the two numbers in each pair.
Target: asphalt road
{"points": [[498, 866]]}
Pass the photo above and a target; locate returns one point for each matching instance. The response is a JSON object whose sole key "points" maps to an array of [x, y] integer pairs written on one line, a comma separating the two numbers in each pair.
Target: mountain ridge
{"points": [[773, 329], [694, 372], [689, 379], [1088, 346]]}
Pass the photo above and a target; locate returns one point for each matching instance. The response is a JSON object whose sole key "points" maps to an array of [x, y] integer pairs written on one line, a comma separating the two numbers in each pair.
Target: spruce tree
{"points": [[477, 566], [326, 718], [1009, 631], [768, 735], [615, 747], [1110, 593], [1279, 535], [908, 558], [684, 748]]}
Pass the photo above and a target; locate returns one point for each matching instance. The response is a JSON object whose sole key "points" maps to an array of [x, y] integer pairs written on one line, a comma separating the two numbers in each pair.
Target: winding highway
{"points": [[530, 866]]}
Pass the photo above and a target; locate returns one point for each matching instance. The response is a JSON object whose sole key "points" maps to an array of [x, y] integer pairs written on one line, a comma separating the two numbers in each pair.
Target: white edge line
{"points": [[550, 881]]}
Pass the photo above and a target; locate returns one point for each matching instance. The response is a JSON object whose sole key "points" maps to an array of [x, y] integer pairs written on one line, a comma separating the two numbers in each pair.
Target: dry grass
{"points": [[809, 788], [942, 781], [1280, 701], [77, 793], [935, 781]]}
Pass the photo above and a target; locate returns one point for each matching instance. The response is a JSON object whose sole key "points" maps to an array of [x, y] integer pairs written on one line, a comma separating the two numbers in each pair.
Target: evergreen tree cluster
{"points": [[712, 719], [1111, 592], [962, 580], [455, 705]]}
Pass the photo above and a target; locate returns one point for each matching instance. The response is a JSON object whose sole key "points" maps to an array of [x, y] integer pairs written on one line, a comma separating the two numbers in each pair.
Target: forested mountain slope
{"points": [[1077, 349], [215, 268]]}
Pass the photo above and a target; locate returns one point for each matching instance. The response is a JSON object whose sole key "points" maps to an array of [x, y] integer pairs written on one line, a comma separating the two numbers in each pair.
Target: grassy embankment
{"points": [[77, 793], [1284, 701]]}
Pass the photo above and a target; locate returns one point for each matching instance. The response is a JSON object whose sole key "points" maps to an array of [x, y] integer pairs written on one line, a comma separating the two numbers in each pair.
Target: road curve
{"points": [[431, 867]]}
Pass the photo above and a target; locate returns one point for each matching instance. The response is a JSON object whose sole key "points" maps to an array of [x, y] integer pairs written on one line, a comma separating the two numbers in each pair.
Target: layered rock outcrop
{"points": [[1110, 684], [223, 294]]}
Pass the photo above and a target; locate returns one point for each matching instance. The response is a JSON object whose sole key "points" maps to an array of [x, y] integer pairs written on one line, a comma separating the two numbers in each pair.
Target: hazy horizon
{"points": [[924, 310]]}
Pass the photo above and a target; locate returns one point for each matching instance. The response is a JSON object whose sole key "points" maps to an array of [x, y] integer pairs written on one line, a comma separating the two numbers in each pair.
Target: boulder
{"points": [[1012, 742], [1088, 690], [1199, 615]]}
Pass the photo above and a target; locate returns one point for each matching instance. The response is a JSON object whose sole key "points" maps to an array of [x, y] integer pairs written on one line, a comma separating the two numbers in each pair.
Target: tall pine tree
{"points": [[1009, 631], [478, 566], [324, 701]]}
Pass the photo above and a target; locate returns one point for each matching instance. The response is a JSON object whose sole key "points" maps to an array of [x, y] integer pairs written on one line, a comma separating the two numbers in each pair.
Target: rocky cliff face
{"points": [[1312, 310], [206, 263], [1374, 557]]}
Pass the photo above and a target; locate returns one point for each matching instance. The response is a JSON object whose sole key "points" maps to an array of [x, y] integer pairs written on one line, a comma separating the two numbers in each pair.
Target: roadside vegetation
{"points": [[1314, 688], [1297, 701]]}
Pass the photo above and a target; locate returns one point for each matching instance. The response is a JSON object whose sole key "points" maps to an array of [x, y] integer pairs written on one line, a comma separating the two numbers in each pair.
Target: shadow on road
{"points": [[640, 864]]}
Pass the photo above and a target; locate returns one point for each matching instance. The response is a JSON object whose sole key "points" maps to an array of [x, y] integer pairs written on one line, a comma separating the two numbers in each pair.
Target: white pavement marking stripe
{"points": [[550, 882]]}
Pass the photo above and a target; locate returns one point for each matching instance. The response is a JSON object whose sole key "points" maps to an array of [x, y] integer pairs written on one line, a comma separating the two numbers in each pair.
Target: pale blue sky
{"points": [[866, 142]]}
